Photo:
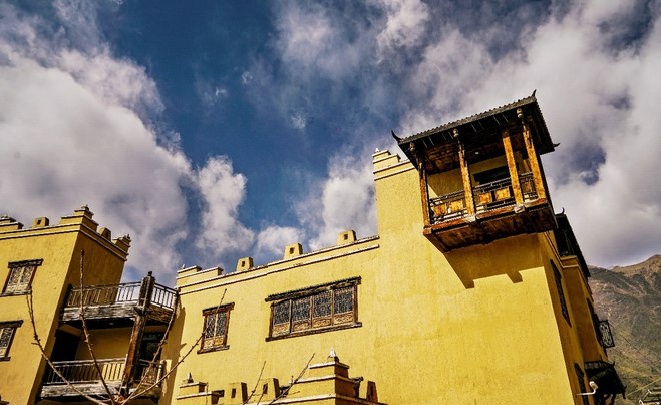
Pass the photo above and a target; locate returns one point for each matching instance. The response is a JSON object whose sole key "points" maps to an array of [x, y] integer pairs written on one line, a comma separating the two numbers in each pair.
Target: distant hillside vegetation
{"points": [[629, 297]]}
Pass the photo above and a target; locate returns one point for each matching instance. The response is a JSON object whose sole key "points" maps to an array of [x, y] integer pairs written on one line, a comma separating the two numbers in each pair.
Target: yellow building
{"points": [[473, 292], [43, 263]]}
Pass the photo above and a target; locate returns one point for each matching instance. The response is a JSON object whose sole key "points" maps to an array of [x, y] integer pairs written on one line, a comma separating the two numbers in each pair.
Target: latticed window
{"points": [[561, 291], [7, 331], [216, 324], [317, 308], [20, 276]]}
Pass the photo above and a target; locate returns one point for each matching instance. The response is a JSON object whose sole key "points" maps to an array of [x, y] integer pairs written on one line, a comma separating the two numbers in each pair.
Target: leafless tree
{"points": [[145, 384], [109, 397]]}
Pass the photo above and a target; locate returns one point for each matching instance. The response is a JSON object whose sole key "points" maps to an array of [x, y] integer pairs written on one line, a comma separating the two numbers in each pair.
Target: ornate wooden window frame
{"points": [[7, 334], [316, 309], [19, 281], [213, 340]]}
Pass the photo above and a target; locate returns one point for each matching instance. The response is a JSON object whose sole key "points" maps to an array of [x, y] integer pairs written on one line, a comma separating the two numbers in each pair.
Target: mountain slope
{"points": [[630, 298]]}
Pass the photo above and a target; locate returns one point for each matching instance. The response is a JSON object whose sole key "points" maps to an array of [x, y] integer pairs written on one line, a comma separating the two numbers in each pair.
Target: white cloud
{"points": [[298, 120], [74, 130], [64, 146], [246, 77], [271, 241], [312, 41], [345, 201], [404, 26], [222, 191], [598, 94]]}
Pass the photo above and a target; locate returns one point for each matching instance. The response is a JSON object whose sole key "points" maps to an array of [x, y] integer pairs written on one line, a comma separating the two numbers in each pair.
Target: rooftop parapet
{"points": [[8, 223], [82, 216], [383, 159], [245, 263], [293, 250]]}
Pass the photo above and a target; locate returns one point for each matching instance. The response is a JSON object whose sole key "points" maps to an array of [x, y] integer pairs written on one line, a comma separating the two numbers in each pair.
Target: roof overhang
{"points": [[471, 130]]}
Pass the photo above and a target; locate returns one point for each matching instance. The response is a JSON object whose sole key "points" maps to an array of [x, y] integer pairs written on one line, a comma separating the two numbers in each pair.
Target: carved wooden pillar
{"points": [[465, 175], [424, 190], [511, 164], [532, 157]]}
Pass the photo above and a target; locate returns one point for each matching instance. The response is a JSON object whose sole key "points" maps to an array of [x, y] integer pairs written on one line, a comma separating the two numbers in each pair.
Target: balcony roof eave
{"points": [[477, 124]]}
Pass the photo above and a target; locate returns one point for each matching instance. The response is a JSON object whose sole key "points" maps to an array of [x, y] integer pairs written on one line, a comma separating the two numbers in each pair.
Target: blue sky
{"points": [[213, 130]]}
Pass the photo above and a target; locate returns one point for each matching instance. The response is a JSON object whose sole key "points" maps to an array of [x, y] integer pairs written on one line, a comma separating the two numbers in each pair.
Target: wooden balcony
{"points": [[496, 214], [481, 177], [84, 377], [116, 305]]}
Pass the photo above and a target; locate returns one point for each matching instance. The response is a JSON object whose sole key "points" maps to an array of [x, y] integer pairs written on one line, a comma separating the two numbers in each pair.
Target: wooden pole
{"points": [[465, 175], [511, 164], [533, 158]]}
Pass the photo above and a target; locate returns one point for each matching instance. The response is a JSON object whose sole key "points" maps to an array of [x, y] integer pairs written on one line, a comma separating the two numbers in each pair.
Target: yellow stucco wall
{"points": [[59, 247], [475, 325]]}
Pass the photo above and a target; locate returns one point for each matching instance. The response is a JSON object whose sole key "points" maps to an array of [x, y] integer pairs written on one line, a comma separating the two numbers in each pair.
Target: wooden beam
{"points": [[465, 175], [511, 164], [133, 352], [424, 188], [533, 158]]}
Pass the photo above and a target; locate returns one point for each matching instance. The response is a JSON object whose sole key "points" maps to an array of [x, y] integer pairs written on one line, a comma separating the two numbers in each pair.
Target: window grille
{"points": [[7, 332], [216, 325], [314, 309], [20, 276]]}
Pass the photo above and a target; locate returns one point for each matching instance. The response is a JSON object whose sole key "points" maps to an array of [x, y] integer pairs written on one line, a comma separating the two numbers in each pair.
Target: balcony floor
{"points": [[484, 227]]}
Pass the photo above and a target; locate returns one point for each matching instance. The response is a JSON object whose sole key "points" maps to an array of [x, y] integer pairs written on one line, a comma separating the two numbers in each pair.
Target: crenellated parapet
{"points": [[80, 220], [294, 255]]}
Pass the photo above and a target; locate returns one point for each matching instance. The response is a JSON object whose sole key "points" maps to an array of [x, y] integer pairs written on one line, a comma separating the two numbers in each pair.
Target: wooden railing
{"points": [[121, 294], [447, 206], [84, 371], [163, 296], [494, 194], [528, 189], [149, 372], [489, 196], [100, 295], [112, 370]]}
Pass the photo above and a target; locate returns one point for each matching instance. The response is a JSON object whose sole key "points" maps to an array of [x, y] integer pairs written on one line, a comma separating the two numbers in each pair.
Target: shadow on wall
{"points": [[505, 256]]}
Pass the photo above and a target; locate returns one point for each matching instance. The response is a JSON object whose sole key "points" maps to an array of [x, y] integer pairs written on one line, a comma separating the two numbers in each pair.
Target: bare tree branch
{"points": [[161, 343], [116, 399], [87, 335], [174, 367], [285, 392], [37, 342], [255, 388]]}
